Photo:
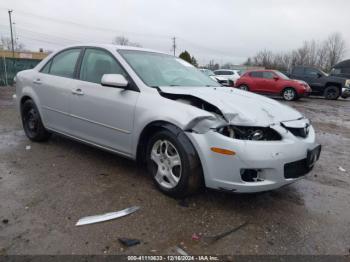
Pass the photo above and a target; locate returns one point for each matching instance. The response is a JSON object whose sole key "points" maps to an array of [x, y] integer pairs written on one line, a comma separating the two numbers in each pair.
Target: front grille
{"points": [[301, 132], [296, 169]]}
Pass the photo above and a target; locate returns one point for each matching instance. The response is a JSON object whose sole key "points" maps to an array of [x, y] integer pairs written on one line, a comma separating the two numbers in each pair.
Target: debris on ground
{"points": [[196, 237], [107, 216], [341, 169], [28, 147], [183, 203], [181, 251], [5, 221], [212, 239], [103, 174], [129, 242]]}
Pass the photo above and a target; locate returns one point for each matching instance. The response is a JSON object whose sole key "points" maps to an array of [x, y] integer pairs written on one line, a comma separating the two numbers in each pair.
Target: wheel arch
{"points": [[284, 88], [155, 126], [339, 85]]}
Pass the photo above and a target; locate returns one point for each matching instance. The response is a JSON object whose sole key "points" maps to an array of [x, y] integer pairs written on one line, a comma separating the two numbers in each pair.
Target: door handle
{"points": [[78, 92], [37, 81]]}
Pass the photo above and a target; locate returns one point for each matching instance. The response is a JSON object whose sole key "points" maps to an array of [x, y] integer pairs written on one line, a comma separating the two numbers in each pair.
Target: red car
{"points": [[272, 82]]}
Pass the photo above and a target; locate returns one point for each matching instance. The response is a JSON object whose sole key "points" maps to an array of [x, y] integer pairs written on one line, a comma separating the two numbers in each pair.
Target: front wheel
{"points": [[32, 124], [289, 94], [175, 171]]}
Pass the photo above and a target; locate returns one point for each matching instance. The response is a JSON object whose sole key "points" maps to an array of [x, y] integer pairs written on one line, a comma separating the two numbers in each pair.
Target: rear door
{"points": [[54, 84], [102, 115]]}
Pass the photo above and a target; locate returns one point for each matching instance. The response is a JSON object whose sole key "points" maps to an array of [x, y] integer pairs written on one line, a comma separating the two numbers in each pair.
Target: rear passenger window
{"points": [[63, 64], [96, 63], [256, 74], [298, 71]]}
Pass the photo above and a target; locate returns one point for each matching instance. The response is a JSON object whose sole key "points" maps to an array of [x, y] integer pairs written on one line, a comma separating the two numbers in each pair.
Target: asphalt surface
{"points": [[46, 188]]}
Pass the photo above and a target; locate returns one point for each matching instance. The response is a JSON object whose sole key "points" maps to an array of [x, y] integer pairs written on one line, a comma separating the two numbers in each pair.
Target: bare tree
{"points": [[335, 45], [122, 40], [323, 55], [6, 44]]}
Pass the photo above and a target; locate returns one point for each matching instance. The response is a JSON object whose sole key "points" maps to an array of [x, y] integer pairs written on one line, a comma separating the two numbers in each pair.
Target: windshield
{"points": [[281, 75], [164, 70]]}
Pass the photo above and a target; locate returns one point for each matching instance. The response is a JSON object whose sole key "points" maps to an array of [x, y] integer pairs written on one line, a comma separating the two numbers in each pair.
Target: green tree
{"points": [[186, 56]]}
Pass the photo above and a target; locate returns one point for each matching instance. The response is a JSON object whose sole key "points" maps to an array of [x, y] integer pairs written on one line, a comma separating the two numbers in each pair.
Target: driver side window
{"points": [[96, 63]]}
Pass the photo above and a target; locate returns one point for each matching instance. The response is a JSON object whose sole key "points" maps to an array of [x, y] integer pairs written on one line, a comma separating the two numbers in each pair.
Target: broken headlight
{"points": [[249, 133]]}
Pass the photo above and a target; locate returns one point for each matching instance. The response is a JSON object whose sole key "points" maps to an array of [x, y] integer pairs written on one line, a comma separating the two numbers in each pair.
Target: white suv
{"points": [[227, 77]]}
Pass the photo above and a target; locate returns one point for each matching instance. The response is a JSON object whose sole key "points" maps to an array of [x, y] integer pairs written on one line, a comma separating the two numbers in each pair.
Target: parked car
{"points": [[342, 69], [322, 84], [273, 82], [227, 77], [185, 127], [209, 73]]}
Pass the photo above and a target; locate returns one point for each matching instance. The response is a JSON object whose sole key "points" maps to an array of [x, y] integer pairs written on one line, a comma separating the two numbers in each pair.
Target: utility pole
{"points": [[174, 44], [13, 49]]}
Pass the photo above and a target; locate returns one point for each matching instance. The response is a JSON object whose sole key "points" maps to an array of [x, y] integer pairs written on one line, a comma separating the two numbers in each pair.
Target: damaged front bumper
{"points": [[255, 165]]}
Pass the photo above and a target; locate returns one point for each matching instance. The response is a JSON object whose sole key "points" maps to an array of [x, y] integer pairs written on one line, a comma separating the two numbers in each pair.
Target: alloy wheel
{"points": [[289, 94], [167, 162]]}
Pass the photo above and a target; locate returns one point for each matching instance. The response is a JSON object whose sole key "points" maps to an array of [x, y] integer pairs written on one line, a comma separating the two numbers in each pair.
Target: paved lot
{"points": [[46, 189]]}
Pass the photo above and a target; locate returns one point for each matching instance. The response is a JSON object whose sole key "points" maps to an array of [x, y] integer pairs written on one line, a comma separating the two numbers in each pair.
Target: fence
{"points": [[9, 67]]}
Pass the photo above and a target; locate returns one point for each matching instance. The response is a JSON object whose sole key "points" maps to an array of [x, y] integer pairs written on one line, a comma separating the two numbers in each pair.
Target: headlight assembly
{"points": [[249, 133]]}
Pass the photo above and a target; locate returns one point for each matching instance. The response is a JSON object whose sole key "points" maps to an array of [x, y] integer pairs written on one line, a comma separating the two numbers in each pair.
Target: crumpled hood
{"points": [[240, 107]]}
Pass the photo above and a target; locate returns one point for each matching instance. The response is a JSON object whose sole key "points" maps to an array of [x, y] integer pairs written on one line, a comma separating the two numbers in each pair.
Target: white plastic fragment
{"points": [[341, 169], [181, 251], [28, 147], [107, 216]]}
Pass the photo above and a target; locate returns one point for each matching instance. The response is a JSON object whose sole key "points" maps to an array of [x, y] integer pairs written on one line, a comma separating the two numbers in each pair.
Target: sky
{"points": [[219, 30]]}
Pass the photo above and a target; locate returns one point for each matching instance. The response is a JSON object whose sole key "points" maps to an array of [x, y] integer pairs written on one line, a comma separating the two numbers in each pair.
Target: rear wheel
{"points": [[289, 94], [32, 124], [175, 171], [331, 93], [244, 87]]}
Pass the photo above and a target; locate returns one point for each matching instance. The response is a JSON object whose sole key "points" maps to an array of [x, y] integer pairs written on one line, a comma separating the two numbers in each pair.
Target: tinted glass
{"points": [[157, 69], [96, 63], [256, 74], [268, 75], [311, 72], [46, 68], [63, 64], [298, 71]]}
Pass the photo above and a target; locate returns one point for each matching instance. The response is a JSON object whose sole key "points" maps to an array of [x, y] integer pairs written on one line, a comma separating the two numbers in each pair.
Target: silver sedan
{"points": [[163, 112]]}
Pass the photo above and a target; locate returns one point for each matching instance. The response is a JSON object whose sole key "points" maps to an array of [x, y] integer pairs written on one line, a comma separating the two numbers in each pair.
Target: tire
{"points": [[289, 94], [32, 124], [331, 93], [244, 87], [173, 164]]}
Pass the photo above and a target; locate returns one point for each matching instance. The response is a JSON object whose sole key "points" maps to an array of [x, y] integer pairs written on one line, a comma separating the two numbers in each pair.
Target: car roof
{"points": [[261, 70], [114, 47]]}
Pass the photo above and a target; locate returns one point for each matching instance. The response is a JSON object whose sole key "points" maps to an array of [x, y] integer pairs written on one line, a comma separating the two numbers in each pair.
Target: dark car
{"points": [[273, 82], [322, 84], [342, 69]]}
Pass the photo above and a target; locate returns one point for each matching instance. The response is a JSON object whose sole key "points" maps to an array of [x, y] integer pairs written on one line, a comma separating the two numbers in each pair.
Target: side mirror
{"points": [[319, 75], [276, 78], [114, 80]]}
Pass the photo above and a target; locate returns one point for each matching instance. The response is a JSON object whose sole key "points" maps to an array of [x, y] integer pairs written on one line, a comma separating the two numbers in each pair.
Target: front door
{"points": [[102, 115]]}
